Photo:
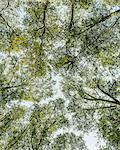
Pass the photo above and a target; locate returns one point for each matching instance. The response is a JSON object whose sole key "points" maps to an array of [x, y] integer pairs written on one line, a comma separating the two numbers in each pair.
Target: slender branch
{"points": [[9, 87], [72, 16], [70, 24], [44, 18], [99, 21], [97, 108], [90, 95], [100, 99], [117, 101], [5, 21], [8, 3]]}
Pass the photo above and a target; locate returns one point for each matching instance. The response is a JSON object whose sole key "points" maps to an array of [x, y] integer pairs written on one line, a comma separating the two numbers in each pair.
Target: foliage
{"points": [[59, 73]]}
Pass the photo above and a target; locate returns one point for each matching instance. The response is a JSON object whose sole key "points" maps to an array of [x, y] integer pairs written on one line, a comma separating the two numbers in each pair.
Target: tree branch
{"points": [[117, 101], [100, 99], [9, 87], [8, 3], [72, 16], [97, 108], [99, 21]]}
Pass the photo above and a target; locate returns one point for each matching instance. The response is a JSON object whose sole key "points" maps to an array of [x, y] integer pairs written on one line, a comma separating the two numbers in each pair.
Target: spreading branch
{"points": [[103, 19], [102, 100], [108, 94]]}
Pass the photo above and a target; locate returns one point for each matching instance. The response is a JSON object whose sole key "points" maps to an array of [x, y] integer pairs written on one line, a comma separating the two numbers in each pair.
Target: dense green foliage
{"points": [[59, 73]]}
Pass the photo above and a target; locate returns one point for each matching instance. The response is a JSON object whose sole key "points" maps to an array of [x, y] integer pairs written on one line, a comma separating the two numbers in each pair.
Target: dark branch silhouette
{"points": [[108, 94], [98, 108], [100, 21]]}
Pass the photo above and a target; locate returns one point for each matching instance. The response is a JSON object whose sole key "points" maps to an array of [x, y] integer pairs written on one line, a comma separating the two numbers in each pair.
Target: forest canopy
{"points": [[59, 74]]}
